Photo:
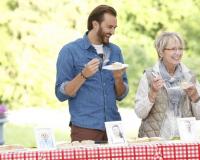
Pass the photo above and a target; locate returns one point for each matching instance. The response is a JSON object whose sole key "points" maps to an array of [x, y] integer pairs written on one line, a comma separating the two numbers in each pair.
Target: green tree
{"points": [[33, 32]]}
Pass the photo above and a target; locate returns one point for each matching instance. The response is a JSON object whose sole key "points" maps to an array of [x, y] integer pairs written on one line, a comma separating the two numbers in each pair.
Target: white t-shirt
{"points": [[104, 56], [99, 48]]}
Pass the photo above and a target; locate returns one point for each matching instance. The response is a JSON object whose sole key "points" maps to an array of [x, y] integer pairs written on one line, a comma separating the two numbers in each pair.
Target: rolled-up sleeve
{"points": [[64, 73], [125, 79], [119, 98]]}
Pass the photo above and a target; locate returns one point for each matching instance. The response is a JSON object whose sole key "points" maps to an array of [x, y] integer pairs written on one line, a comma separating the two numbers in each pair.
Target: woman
{"points": [[167, 90], [117, 134]]}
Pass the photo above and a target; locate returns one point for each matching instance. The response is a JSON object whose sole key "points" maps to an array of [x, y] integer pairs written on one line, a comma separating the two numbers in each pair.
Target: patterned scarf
{"points": [[173, 86], [169, 128]]}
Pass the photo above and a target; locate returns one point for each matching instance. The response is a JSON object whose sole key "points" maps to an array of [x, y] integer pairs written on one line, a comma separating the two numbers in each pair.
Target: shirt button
{"points": [[104, 84]]}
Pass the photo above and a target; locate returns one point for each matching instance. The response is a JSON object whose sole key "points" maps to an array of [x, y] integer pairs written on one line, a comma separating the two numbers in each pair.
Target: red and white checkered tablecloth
{"points": [[145, 151], [179, 151]]}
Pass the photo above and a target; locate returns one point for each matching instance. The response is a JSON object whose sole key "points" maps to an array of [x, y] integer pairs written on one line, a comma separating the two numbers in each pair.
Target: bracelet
{"points": [[82, 75]]}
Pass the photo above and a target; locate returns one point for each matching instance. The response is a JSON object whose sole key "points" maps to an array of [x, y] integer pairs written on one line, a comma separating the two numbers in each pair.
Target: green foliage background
{"points": [[33, 31]]}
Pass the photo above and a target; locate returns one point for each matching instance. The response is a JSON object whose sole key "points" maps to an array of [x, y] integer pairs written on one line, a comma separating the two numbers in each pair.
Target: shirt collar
{"points": [[86, 42]]}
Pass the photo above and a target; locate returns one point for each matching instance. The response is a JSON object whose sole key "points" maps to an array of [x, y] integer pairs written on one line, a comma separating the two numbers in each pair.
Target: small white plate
{"points": [[113, 68]]}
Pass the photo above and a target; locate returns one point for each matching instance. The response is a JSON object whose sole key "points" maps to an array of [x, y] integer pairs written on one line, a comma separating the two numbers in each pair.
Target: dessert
{"points": [[87, 142], [185, 85], [155, 139], [117, 65], [14, 147], [140, 140], [75, 143]]}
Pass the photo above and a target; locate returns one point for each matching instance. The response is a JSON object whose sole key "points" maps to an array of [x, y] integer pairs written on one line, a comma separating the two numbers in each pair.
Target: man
{"points": [[90, 90]]}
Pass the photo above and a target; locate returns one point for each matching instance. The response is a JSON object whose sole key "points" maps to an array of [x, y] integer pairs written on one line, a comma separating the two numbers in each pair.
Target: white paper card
{"points": [[196, 129], [185, 126], [115, 132], [45, 138]]}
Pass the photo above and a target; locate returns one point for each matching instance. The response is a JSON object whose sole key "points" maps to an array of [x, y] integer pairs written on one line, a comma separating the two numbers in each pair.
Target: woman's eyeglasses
{"points": [[174, 49]]}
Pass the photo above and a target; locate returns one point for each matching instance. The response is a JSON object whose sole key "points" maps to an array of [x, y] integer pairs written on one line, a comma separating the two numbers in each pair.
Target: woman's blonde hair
{"points": [[163, 39]]}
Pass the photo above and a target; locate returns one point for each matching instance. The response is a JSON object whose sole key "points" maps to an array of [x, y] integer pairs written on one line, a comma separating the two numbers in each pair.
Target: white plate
{"points": [[113, 68]]}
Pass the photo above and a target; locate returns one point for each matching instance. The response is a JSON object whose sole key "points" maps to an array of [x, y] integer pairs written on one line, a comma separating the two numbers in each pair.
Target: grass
{"points": [[21, 124], [24, 135]]}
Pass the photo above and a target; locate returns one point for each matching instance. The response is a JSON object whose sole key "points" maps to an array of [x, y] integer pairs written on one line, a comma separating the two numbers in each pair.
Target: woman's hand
{"points": [[191, 91], [156, 85]]}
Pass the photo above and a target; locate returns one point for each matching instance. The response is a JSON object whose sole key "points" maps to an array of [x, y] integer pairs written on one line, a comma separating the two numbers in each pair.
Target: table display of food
{"points": [[187, 146], [139, 149]]}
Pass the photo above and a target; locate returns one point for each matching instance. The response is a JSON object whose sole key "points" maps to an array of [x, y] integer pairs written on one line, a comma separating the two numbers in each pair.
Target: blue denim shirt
{"points": [[95, 101]]}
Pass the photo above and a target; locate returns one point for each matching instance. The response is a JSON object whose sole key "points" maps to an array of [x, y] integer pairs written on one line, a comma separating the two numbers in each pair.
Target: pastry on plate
{"points": [[185, 85]]}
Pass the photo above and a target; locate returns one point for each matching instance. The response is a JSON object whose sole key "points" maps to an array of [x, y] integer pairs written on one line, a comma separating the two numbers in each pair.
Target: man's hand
{"points": [[119, 84], [91, 67], [117, 74]]}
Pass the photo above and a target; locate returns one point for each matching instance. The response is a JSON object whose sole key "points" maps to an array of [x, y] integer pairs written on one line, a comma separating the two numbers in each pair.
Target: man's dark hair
{"points": [[98, 14]]}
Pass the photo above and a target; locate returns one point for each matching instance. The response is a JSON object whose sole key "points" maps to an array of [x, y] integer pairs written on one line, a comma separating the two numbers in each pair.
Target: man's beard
{"points": [[102, 36]]}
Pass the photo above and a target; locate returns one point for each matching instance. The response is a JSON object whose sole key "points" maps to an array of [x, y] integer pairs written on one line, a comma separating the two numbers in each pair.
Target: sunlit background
{"points": [[33, 31]]}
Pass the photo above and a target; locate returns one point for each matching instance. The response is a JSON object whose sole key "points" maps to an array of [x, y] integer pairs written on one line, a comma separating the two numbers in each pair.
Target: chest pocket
{"points": [[81, 61], [79, 65]]}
